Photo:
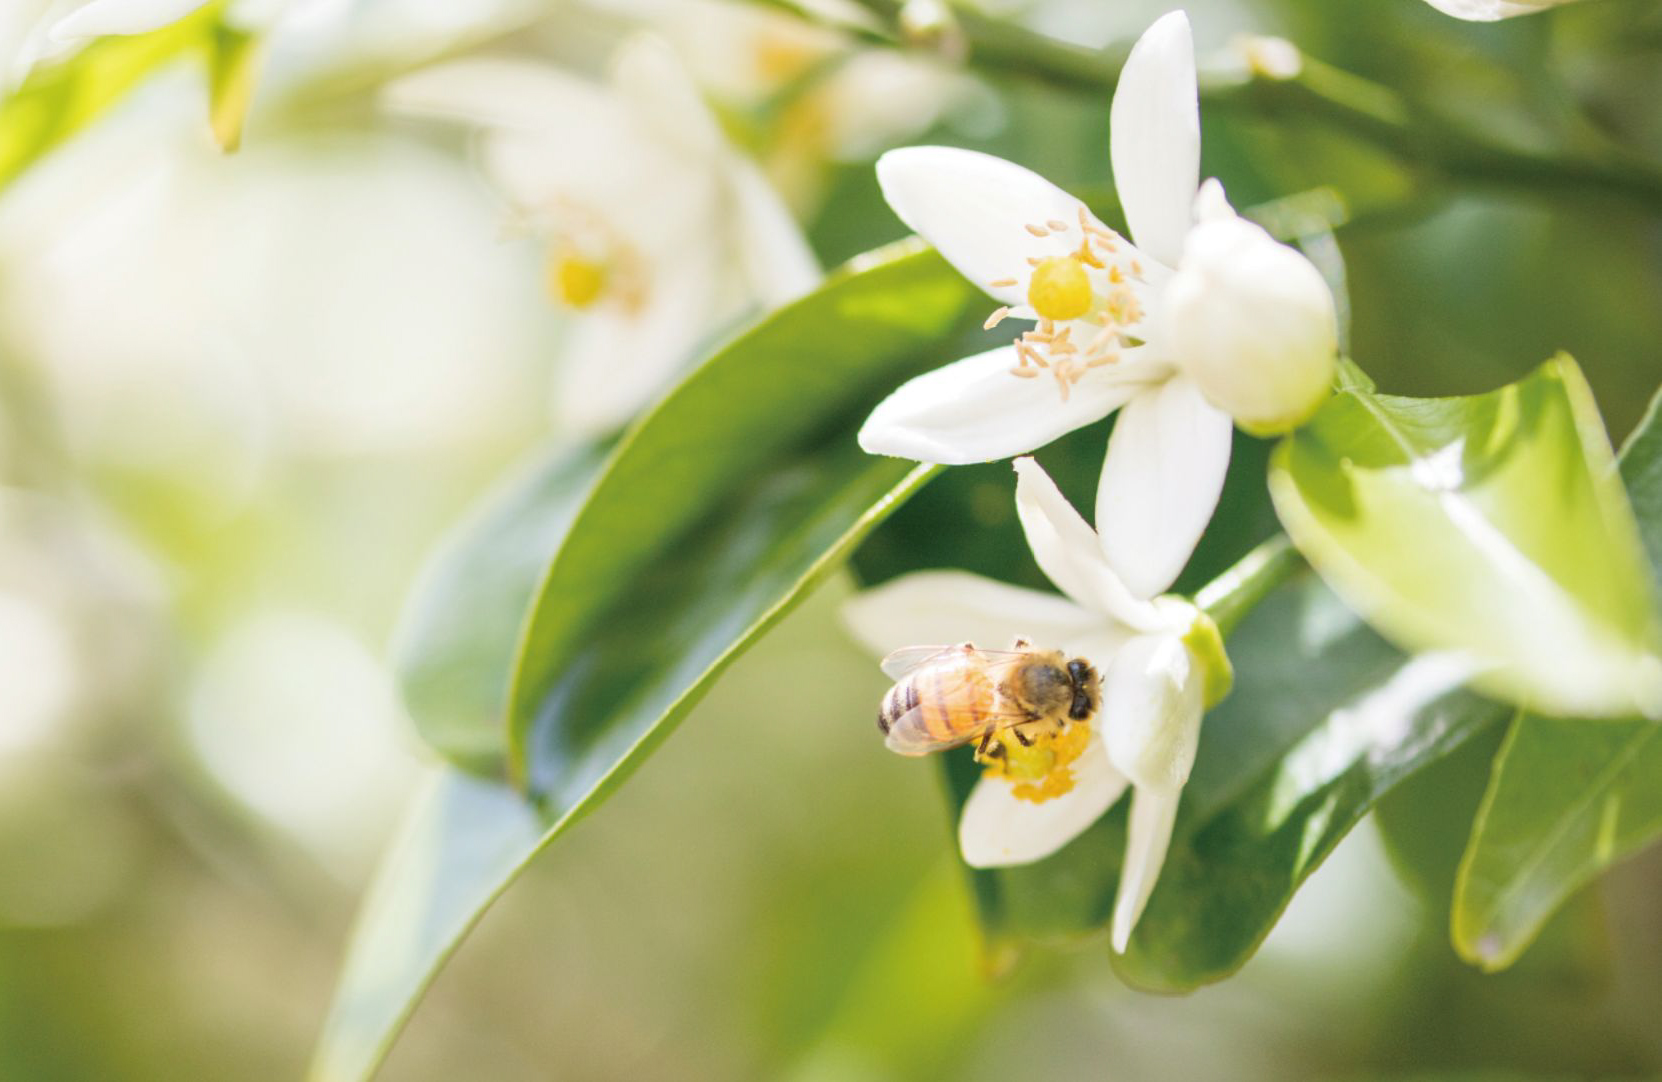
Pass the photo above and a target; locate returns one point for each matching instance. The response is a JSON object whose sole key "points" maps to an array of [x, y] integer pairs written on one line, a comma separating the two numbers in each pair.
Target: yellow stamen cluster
{"points": [[1061, 290], [575, 281], [1041, 769], [590, 260]]}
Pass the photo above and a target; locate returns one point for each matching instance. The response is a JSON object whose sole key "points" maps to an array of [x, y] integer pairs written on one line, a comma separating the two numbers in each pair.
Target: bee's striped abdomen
{"points": [[953, 699], [901, 698]]}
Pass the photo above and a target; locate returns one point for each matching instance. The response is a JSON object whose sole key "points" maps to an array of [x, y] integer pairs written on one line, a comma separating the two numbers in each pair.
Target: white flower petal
{"points": [[975, 209], [102, 17], [1146, 841], [777, 261], [1160, 483], [998, 830], [617, 362], [1490, 10], [1067, 550], [946, 607], [1211, 204], [651, 78], [502, 93], [974, 410], [1151, 711], [1154, 137]]}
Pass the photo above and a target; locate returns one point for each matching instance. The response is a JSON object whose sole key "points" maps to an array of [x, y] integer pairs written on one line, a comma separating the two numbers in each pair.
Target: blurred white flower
{"points": [[837, 101], [1207, 318], [96, 18], [297, 719], [658, 233], [78, 614], [333, 327], [1490, 10], [1161, 665]]}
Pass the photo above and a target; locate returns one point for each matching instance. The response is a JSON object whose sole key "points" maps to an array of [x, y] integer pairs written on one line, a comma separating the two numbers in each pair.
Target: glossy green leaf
{"points": [[660, 647], [1467, 524], [1566, 798], [457, 635], [1324, 720], [60, 98], [711, 542], [805, 370]]}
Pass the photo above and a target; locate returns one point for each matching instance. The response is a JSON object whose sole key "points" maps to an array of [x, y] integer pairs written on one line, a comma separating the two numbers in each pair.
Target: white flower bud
{"points": [[1252, 322]]}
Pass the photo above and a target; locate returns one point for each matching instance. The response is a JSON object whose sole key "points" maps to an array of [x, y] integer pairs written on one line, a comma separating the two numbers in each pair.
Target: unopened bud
{"points": [[1252, 322]]}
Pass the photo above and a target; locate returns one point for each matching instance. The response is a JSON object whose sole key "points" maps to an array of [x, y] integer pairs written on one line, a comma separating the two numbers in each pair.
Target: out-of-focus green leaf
{"points": [[234, 59], [1567, 798], [1470, 524], [794, 376], [457, 636], [60, 98], [1324, 720], [463, 841], [735, 496]]}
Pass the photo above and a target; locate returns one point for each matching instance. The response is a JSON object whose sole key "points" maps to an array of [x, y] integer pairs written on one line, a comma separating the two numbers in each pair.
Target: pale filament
{"points": [[1045, 348]]}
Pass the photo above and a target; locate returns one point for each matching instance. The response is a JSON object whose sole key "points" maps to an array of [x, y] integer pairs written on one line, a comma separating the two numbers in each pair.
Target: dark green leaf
{"points": [[659, 650], [724, 507], [458, 633], [1324, 720], [1468, 524], [793, 377], [1567, 798]]}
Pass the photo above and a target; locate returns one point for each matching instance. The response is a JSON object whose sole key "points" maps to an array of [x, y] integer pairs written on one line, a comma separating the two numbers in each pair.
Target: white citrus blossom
{"points": [[1160, 664], [96, 18], [1206, 319], [658, 232], [1490, 10]]}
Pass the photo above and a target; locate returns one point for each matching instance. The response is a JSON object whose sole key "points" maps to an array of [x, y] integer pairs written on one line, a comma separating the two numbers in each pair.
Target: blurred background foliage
{"points": [[241, 398]]}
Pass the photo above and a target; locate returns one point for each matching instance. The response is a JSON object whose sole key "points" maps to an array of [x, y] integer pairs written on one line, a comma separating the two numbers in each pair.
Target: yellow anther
{"points": [[576, 281], [1060, 289]]}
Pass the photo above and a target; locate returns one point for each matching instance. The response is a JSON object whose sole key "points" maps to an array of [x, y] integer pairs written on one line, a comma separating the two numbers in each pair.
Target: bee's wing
{"points": [[909, 659], [910, 734]]}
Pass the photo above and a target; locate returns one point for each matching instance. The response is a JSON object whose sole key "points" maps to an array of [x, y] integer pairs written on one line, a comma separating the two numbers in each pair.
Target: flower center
{"points": [[1090, 290], [1040, 767], [1060, 288], [576, 280]]}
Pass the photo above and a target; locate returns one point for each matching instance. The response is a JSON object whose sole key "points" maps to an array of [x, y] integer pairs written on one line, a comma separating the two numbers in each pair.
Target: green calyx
{"points": [[1205, 643]]}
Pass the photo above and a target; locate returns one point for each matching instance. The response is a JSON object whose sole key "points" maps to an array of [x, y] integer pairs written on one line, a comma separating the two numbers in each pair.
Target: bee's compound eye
{"points": [[1077, 668]]}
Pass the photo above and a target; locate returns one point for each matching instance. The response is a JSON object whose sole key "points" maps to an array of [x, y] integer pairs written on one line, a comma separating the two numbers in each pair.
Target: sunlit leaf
{"points": [[1567, 798], [1466, 524], [61, 97]]}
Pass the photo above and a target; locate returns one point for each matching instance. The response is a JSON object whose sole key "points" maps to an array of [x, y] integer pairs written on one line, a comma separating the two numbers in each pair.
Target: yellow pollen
{"points": [[576, 281], [1060, 289], [1042, 770]]}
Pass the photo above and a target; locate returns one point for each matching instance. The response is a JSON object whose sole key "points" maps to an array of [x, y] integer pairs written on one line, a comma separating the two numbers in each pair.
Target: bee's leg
{"points": [[981, 752], [1021, 735]]}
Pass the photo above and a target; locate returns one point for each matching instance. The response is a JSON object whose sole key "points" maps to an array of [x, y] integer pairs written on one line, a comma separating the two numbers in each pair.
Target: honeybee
{"points": [[951, 695]]}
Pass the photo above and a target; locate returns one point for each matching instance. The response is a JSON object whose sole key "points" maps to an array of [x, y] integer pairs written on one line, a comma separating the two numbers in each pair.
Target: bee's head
{"points": [[1087, 689]]}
